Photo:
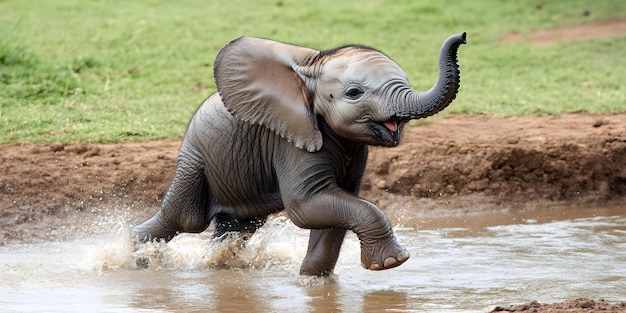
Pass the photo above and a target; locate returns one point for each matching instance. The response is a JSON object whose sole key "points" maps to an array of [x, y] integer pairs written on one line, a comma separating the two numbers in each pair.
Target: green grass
{"points": [[109, 71]]}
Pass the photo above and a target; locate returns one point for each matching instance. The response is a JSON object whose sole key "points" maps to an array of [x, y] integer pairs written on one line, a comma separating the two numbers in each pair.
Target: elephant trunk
{"points": [[424, 104]]}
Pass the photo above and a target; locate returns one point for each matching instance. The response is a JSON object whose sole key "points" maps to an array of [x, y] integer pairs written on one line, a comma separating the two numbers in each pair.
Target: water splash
{"points": [[277, 244]]}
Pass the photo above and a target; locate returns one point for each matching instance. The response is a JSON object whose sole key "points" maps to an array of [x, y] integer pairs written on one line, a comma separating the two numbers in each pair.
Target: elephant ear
{"points": [[260, 82]]}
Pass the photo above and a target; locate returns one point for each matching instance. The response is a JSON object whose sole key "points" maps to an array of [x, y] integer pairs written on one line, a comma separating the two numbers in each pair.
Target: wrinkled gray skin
{"points": [[288, 130]]}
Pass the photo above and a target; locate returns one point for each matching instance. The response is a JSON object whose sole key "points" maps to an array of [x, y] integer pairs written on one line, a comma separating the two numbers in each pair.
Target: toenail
{"points": [[375, 267], [403, 256], [390, 261]]}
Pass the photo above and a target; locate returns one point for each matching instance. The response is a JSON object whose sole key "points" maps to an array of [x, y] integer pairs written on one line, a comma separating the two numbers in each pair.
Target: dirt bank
{"points": [[576, 157], [459, 162]]}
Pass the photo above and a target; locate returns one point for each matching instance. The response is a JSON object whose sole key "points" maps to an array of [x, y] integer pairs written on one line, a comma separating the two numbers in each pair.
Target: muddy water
{"points": [[461, 263]]}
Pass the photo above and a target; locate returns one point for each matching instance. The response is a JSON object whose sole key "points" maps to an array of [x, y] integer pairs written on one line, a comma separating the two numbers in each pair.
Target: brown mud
{"points": [[464, 162], [581, 305]]}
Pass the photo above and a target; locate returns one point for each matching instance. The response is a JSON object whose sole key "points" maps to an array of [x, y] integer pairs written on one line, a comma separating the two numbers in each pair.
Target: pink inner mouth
{"points": [[391, 125]]}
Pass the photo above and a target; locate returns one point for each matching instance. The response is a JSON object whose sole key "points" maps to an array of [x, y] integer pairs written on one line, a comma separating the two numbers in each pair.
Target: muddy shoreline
{"points": [[456, 162]]}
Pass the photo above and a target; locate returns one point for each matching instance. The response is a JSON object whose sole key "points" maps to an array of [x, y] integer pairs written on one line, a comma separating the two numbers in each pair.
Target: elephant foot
{"points": [[318, 266], [383, 255], [314, 272], [154, 228]]}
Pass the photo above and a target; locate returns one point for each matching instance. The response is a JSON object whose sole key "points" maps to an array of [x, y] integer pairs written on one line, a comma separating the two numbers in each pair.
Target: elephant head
{"points": [[360, 93]]}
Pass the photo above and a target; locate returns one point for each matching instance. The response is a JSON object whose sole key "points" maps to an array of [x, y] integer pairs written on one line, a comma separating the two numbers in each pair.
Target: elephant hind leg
{"points": [[323, 251], [246, 226], [185, 205], [154, 228]]}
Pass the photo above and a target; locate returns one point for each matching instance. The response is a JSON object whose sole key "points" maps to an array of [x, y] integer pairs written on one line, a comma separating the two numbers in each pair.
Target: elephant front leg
{"points": [[382, 254], [379, 248], [323, 251]]}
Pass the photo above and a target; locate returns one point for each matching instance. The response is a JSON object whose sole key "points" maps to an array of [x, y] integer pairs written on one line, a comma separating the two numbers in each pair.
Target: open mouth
{"points": [[393, 126]]}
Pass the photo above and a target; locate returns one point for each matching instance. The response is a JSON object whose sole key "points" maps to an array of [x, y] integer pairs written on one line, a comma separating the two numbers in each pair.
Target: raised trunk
{"points": [[424, 104]]}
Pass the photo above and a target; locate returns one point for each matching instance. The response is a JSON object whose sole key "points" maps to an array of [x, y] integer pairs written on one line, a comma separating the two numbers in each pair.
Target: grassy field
{"points": [[109, 71]]}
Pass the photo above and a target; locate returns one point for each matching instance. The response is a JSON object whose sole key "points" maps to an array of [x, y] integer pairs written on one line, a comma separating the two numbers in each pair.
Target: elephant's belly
{"points": [[244, 204], [244, 185]]}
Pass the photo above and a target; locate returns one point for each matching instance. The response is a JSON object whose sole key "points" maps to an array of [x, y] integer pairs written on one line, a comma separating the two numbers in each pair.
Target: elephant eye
{"points": [[354, 93]]}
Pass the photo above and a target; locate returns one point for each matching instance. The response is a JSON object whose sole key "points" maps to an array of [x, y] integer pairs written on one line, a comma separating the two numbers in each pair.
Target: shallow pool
{"points": [[460, 263]]}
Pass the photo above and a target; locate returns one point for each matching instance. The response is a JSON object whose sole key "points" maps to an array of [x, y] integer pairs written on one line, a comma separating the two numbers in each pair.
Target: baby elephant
{"points": [[289, 129]]}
